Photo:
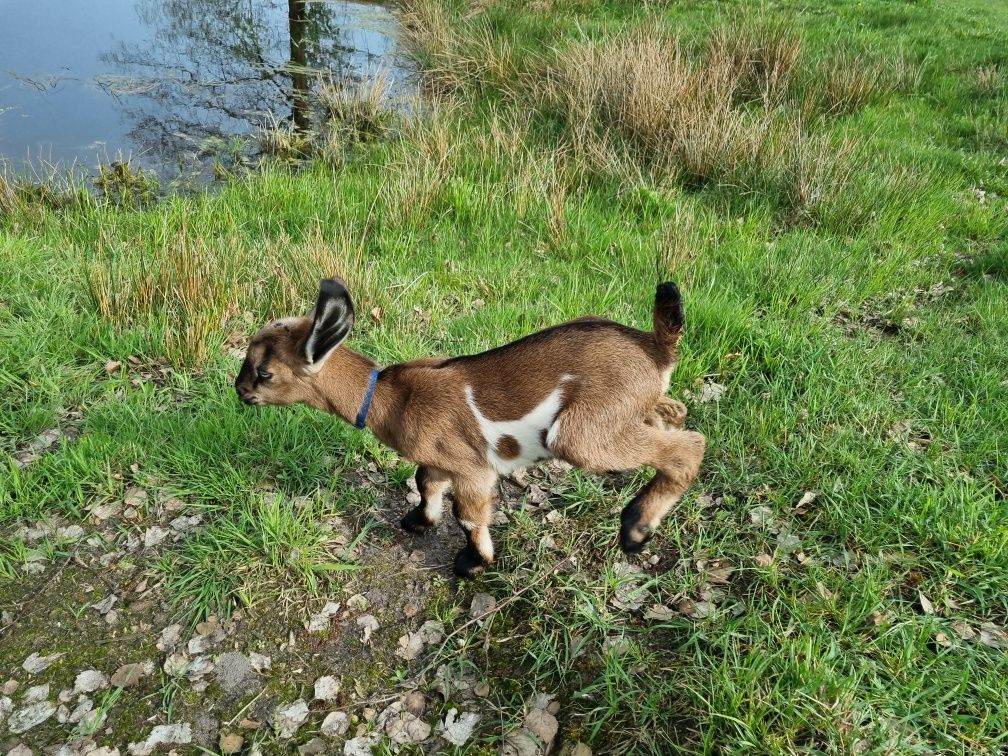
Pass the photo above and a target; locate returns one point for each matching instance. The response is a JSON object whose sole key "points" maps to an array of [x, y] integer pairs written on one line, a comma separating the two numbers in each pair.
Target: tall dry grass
{"points": [[849, 79], [455, 55], [358, 107], [186, 287], [765, 55]]}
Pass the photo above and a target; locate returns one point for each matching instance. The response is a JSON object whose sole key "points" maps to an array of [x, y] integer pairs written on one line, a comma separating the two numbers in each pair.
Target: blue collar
{"points": [[368, 396]]}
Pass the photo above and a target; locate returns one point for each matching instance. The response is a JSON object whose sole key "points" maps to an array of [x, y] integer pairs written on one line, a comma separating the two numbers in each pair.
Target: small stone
{"points": [[481, 604], [89, 681], [175, 734], [69, 533], [313, 746], [35, 663], [482, 689], [10, 686], [112, 618], [127, 676], [80, 711], [361, 745], [763, 560], [201, 666], [581, 749], [410, 610], [154, 536], [20, 750], [259, 662], [36, 693], [30, 716], [288, 718], [335, 724], [230, 743], [105, 605], [319, 622], [357, 602], [327, 688]]}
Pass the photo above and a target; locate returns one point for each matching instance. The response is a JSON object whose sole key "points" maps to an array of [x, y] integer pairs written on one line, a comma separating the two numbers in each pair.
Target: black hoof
{"points": [[415, 521], [631, 543], [633, 536], [468, 563]]}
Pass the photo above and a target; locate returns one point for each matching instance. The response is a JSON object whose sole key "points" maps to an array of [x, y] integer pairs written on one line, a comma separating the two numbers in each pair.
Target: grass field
{"points": [[827, 182]]}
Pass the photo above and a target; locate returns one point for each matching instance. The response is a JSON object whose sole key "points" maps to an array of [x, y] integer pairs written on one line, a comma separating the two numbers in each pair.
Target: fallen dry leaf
{"points": [[763, 560], [659, 612], [926, 606], [993, 635], [457, 729]]}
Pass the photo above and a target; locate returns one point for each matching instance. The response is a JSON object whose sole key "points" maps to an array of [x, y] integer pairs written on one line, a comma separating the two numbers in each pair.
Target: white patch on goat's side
{"points": [[527, 430]]}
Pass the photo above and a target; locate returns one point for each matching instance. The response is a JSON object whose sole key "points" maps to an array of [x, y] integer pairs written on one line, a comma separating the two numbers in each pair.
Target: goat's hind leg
{"points": [[676, 457], [432, 484]]}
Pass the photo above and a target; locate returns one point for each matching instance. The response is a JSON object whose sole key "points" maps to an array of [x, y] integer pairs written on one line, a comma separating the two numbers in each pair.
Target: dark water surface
{"points": [[172, 84]]}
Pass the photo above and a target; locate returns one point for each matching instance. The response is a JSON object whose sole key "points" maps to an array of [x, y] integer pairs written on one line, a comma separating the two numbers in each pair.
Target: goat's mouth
{"points": [[250, 399]]}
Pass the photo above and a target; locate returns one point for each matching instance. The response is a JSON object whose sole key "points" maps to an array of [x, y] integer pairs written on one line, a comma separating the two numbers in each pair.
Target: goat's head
{"points": [[285, 355]]}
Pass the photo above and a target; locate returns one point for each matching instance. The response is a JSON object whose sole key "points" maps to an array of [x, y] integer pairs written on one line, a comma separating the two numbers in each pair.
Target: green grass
{"points": [[849, 370]]}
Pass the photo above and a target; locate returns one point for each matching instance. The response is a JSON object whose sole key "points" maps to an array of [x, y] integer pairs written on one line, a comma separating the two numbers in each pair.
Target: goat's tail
{"points": [[669, 318]]}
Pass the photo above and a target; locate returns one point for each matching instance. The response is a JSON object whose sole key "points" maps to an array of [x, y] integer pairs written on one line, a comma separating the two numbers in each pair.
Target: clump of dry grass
{"points": [[184, 287], [989, 78], [359, 108], [644, 100], [457, 53], [432, 142], [283, 141], [850, 79], [646, 89], [765, 54]]}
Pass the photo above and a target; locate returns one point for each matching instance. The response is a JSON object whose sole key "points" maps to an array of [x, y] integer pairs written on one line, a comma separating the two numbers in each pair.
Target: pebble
{"points": [[89, 681], [335, 724], [327, 688]]}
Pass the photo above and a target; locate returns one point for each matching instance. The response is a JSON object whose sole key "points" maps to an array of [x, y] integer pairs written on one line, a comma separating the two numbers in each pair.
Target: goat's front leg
{"points": [[432, 484], [474, 497]]}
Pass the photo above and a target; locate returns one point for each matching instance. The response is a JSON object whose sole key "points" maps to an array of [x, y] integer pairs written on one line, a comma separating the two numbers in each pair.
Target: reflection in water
{"points": [[298, 23], [182, 73]]}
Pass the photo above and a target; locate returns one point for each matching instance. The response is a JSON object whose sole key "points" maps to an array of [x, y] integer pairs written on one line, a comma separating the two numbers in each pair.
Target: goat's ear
{"points": [[331, 321]]}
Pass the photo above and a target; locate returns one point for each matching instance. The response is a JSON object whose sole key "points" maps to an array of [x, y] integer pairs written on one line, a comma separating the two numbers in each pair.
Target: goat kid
{"points": [[591, 392]]}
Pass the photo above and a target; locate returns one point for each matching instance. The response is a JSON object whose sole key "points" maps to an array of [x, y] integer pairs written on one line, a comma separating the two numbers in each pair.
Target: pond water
{"points": [[172, 84]]}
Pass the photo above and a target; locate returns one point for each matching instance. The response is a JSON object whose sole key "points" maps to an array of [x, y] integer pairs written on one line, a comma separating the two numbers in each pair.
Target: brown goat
{"points": [[591, 392]]}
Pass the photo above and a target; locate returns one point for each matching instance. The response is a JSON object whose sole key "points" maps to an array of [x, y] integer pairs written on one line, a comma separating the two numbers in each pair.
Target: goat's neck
{"points": [[340, 385]]}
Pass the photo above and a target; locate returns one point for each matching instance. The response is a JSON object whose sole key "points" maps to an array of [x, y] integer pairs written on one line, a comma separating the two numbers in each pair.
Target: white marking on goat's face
{"points": [[526, 431]]}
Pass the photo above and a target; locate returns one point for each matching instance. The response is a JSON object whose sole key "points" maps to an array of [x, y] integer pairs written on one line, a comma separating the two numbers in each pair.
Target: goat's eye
{"points": [[264, 375]]}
